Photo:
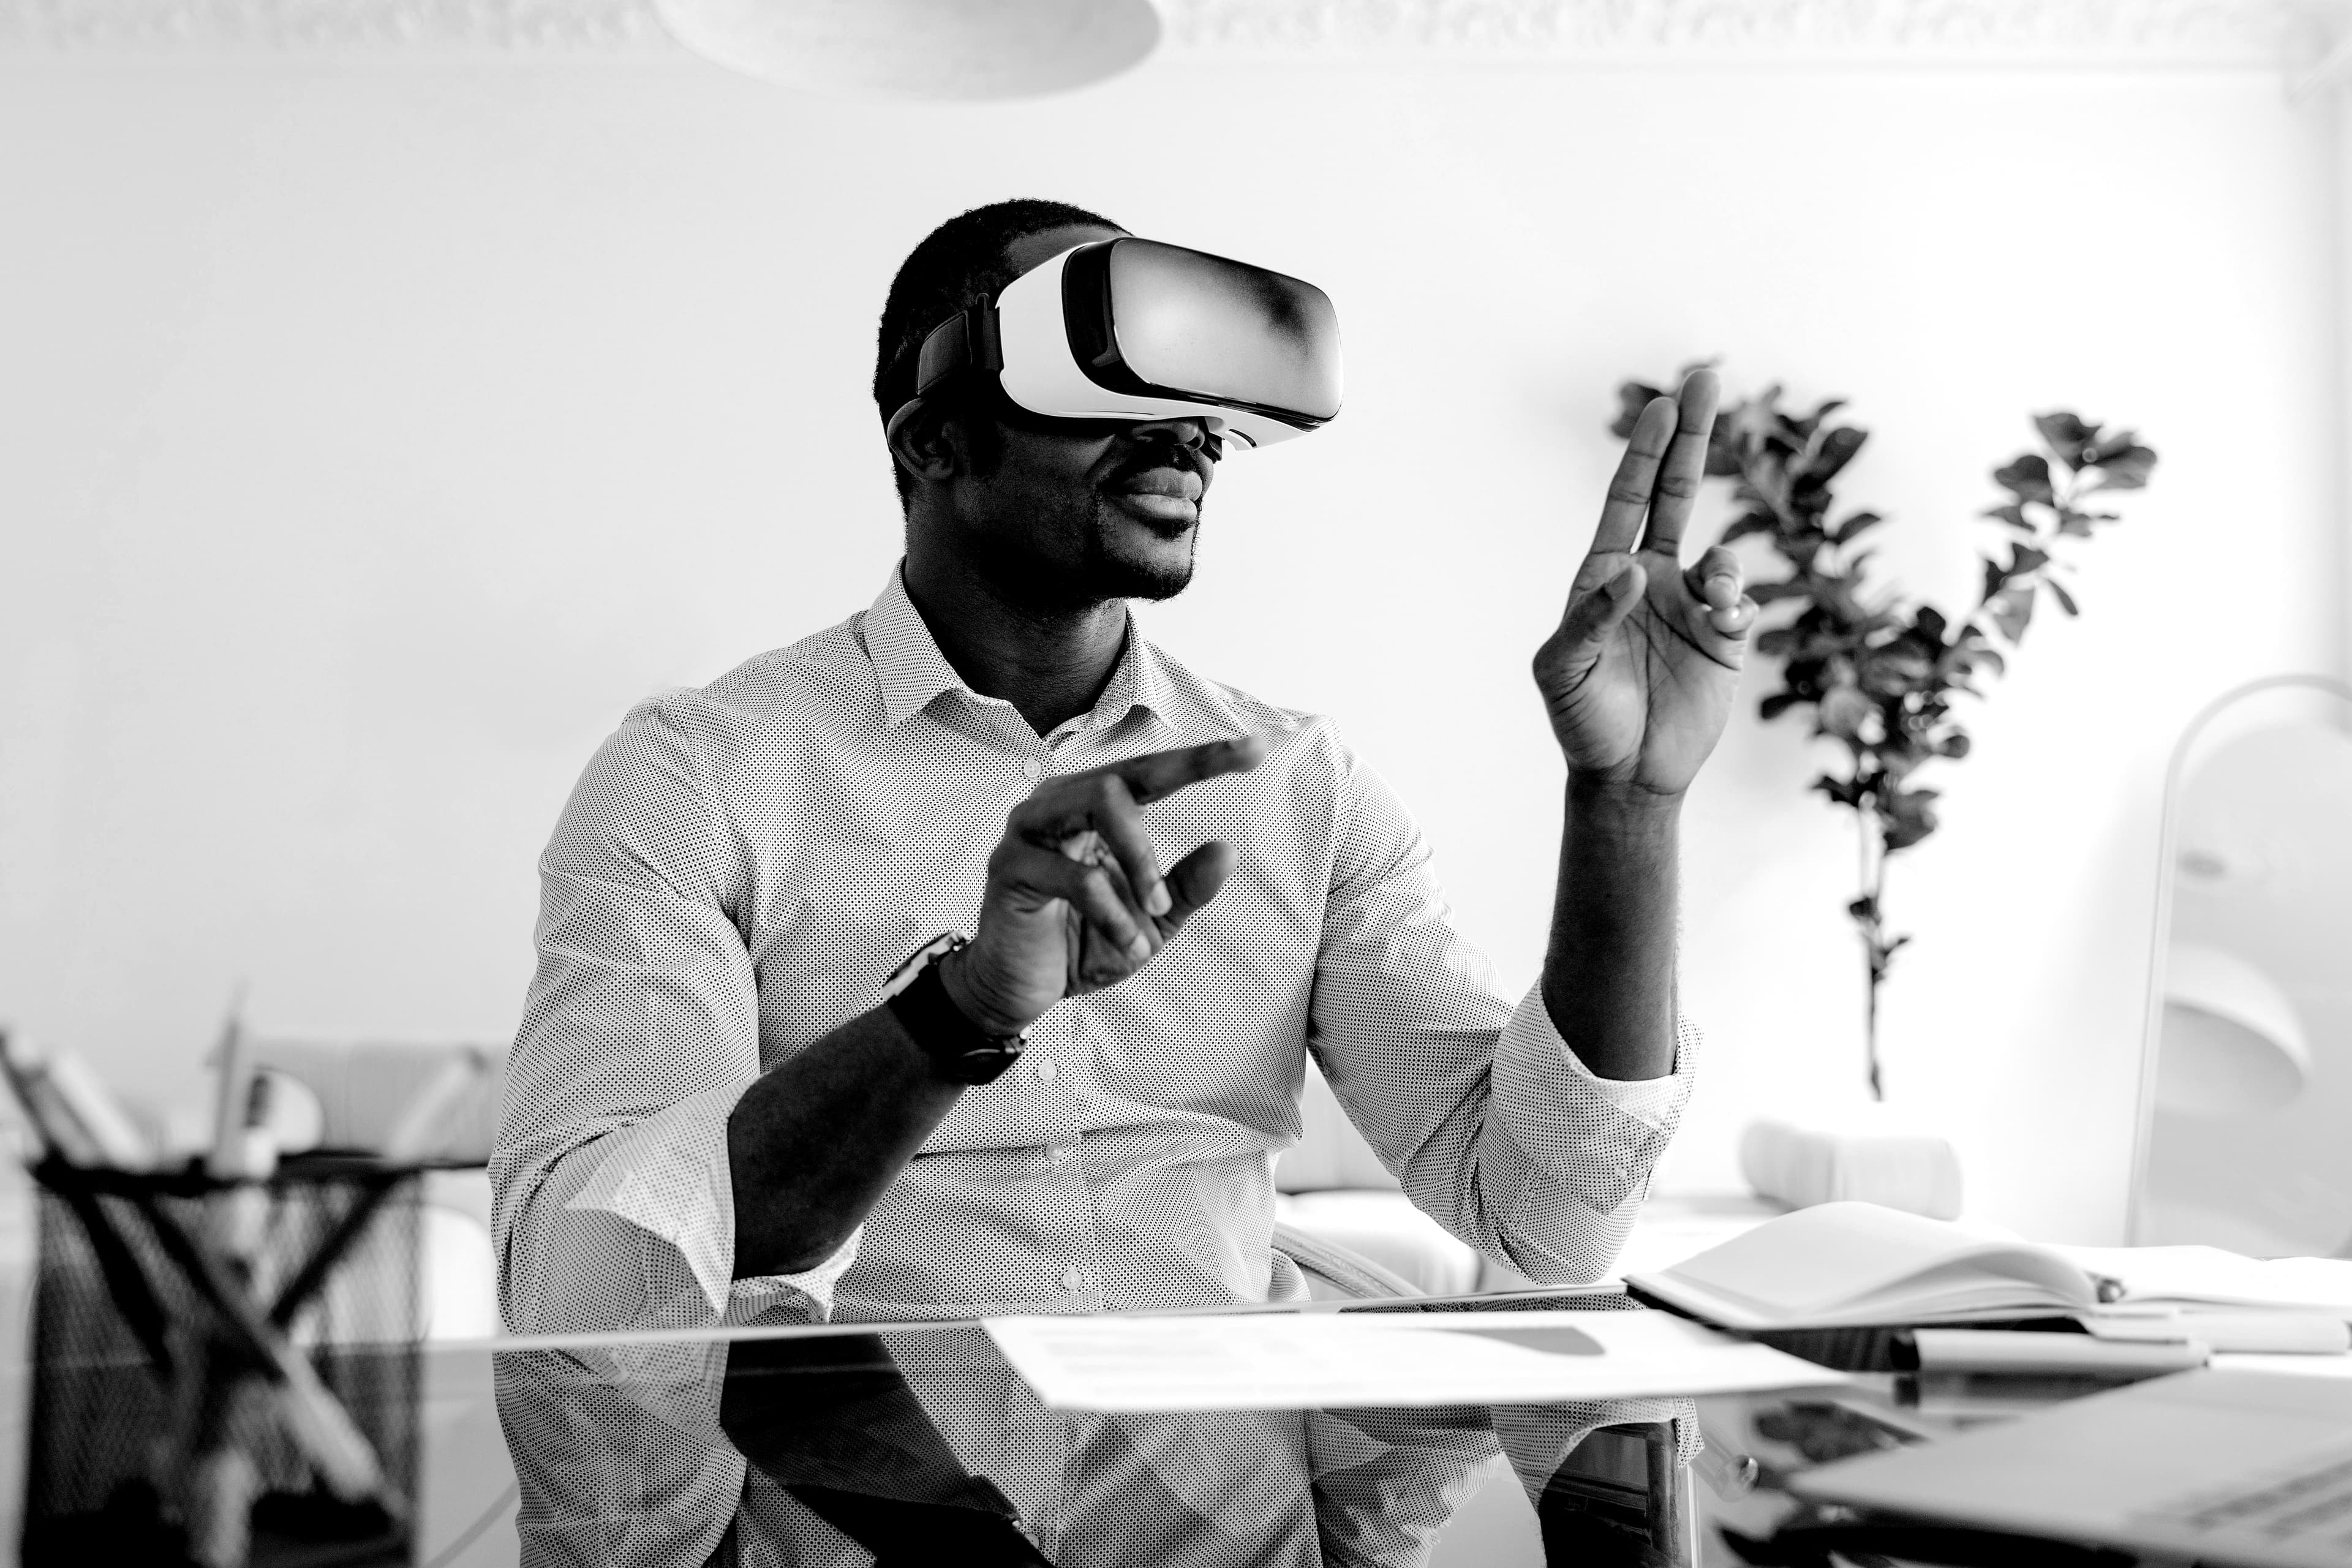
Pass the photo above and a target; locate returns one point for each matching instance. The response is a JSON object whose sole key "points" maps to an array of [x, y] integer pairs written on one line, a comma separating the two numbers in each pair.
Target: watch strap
{"points": [[961, 1051]]}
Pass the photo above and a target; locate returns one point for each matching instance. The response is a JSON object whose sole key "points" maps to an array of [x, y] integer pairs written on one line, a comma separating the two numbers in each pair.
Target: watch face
{"points": [[922, 958]]}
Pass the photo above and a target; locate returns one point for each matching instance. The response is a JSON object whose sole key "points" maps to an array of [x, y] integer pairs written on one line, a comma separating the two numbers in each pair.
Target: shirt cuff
{"points": [[1603, 1135], [668, 1176], [1656, 1101]]}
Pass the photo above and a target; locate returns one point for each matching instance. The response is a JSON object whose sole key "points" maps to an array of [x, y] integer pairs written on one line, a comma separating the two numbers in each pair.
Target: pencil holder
{"points": [[224, 1373]]}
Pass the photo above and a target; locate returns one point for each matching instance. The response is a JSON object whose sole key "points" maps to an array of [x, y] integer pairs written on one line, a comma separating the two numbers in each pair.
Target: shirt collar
{"points": [[913, 672], [907, 658]]}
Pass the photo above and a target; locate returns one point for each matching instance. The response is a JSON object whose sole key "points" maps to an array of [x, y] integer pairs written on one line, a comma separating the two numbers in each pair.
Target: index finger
{"points": [[1637, 473], [1158, 773], [1679, 477]]}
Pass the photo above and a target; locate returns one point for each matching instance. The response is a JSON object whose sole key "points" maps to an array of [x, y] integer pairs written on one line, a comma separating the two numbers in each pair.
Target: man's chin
{"points": [[1131, 562], [1118, 578]]}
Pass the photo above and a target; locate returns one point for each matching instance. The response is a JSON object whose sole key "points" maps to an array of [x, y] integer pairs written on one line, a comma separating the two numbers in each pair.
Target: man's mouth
{"points": [[1166, 496]]}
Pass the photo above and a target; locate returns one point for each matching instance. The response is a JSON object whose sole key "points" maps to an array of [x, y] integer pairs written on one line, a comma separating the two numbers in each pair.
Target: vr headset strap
{"points": [[967, 341]]}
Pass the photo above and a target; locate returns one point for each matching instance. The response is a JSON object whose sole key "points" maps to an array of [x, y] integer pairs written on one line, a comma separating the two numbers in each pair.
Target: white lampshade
{"points": [[918, 48], [2232, 1043]]}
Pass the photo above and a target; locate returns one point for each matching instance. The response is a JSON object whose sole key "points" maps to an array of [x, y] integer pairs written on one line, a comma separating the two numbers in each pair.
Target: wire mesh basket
{"points": [[153, 1358]]}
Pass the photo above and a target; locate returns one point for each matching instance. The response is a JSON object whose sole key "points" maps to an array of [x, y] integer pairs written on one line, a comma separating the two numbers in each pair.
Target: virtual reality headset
{"points": [[1133, 330]]}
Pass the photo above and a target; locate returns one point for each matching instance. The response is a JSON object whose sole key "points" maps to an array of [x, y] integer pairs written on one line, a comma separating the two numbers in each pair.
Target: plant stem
{"points": [[1872, 884]]}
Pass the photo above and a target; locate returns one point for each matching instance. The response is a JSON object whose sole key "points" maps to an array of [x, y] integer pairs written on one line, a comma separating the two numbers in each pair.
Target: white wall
{"points": [[375, 436]]}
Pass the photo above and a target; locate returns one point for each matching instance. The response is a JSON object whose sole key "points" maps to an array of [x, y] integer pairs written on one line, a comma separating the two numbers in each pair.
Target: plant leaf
{"points": [[1633, 396], [1854, 526], [2066, 433], [1996, 577], [2127, 469], [1838, 450], [2012, 610], [2027, 477], [1909, 815], [1845, 791]]}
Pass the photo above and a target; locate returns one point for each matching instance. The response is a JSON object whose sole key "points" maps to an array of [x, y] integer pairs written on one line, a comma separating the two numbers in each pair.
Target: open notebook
{"points": [[1852, 1264]]}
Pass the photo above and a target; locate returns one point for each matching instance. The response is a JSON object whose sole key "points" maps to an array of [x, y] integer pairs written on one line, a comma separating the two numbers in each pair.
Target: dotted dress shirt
{"points": [[742, 866]]}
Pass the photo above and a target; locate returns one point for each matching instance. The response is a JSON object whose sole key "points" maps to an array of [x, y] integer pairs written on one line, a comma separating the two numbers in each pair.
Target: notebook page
{"points": [[1821, 1258], [2229, 1278]]}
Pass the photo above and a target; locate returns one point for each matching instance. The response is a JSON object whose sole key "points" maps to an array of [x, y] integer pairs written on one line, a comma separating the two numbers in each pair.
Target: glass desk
{"points": [[919, 1445]]}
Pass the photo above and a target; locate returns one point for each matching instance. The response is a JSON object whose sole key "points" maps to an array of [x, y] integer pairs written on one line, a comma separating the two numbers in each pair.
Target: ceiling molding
{"points": [[2119, 32], [2156, 33], [364, 27]]}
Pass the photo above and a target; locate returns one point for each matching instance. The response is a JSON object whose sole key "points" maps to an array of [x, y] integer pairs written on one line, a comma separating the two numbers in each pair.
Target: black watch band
{"points": [[959, 1051]]}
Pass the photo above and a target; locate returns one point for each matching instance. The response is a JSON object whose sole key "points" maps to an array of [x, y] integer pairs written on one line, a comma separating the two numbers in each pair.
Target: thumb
{"points": [[1194, 880], [1596, 613]]}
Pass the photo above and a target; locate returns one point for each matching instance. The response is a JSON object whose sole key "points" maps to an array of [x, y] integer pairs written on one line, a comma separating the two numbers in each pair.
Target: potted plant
{"points": [[1873, 669]]}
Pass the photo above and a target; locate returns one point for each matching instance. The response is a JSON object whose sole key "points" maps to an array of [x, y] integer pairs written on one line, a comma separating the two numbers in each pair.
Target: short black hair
{"points": [[959, 264]]}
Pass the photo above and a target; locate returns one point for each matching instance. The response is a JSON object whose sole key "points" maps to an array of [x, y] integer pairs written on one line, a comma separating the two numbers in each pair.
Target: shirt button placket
{"points": [[1082, 1277]]}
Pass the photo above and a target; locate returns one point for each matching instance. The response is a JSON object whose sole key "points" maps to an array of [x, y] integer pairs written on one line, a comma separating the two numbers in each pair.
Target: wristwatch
{"points": [[961, 1051]]}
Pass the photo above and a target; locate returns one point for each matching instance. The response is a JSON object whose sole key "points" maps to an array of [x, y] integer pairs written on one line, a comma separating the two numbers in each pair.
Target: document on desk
{"points": [[1300, 1362]]}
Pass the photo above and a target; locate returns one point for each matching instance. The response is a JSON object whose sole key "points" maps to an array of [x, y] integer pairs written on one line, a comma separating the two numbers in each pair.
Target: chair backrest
{"points": [[363, 1086], [1331, 1155]]}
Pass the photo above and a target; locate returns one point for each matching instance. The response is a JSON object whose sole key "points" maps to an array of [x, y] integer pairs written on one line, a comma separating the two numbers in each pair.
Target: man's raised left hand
{"points": [[1638, 679]]}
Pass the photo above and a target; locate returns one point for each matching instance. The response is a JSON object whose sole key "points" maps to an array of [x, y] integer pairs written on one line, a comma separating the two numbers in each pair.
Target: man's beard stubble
{"points": [[1141, 578], [1045, 585], [1027, 576], [1114, 575]]}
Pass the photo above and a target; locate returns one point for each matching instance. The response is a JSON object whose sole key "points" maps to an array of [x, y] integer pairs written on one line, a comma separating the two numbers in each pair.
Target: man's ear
{"points": [[924, 442]]}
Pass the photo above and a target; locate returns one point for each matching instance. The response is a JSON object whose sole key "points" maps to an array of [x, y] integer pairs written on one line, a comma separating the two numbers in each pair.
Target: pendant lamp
{"points": [[949, 49]]}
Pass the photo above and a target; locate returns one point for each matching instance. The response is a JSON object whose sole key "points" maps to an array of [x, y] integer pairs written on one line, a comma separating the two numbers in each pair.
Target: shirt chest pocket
{"points": [[835, 931], [1218, 1031]]}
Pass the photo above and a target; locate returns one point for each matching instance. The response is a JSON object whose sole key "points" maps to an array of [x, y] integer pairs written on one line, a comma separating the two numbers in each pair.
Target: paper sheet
{"points": [[1282, 1361]]}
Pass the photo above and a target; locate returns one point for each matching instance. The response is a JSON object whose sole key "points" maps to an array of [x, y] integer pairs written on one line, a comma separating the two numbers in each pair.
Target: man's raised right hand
{"points": [[1076, 897]]}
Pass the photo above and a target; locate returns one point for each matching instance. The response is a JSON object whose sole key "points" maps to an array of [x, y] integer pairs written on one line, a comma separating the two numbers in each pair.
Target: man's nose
{"points": [[1189, 431]]}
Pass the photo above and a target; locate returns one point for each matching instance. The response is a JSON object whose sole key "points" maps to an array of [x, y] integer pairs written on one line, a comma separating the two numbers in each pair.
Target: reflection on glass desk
{"points": [[917, 1445]]}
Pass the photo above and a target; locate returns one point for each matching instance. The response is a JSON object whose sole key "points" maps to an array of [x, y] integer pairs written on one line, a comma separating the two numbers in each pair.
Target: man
{"points": [[1174, 890]]}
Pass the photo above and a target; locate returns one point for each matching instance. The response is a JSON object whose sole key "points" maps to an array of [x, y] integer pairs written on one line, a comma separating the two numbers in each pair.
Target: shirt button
{"points": [[1077, 1279], [1046, 1069], [1034, 768], [1062, 1156]]}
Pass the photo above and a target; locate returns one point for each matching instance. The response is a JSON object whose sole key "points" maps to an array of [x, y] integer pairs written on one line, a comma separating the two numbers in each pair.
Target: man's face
{"points": [[1072, 512]]}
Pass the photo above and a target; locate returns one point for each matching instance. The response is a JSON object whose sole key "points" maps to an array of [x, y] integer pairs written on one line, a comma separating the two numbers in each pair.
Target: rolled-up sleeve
{"points": [[614, 1205], [1489, 1121]]}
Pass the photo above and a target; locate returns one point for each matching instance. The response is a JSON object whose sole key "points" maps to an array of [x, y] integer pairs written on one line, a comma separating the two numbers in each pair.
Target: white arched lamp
{"points": [[2232, 1042], [2225, 715], [918, 48]]}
